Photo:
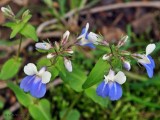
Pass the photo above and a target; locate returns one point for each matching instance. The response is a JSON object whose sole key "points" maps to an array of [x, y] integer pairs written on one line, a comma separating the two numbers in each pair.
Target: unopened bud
{"points": [[65, 37], [26, 13], [44, 46], [122, 41], [70, 51], [126, 65], [106, 56], [49, 56], [68, 64], [7, 12]]}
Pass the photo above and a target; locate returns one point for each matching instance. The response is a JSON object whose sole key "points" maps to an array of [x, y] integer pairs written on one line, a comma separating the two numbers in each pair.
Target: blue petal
{"points": [[115, 90], [152, 61], [38, 89], [83, 31], [90, 45], [102, 89], [149, 70], [26, 83]]}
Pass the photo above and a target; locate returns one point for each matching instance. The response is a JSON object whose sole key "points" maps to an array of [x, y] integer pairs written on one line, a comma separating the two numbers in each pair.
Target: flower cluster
{"points": [[35, 82], [111, 86]]}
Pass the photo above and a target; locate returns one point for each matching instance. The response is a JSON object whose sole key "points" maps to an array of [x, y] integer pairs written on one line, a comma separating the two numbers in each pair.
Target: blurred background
{"points": [[139, 19]]}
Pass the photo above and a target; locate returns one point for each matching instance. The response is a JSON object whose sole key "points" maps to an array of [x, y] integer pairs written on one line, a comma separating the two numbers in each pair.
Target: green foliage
{"points": [[91, 93], [24, 29], [72, 115], [41, 110], [23, 98], [10, 68], [74, 79], [97, 73], [7, 114], [29, 32]]}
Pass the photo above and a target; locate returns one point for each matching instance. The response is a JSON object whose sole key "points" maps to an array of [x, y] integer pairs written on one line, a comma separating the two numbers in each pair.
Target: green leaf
{"points": [[41, 111], [29, 32], [74, 79], [72, 115], [91, 93], [10, 68], [97, 73], [23, 98], [62, 4], [17, 28]]}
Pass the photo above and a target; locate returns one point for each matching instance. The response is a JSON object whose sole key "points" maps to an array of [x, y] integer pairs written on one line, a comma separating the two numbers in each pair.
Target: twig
{"points": [[121, 5], [52, 21]]}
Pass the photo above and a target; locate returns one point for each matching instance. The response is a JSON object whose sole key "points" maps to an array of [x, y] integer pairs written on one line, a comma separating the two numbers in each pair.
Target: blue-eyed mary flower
{"points": [[146, 60], [111, 86], [88, 38], [35, 81]]}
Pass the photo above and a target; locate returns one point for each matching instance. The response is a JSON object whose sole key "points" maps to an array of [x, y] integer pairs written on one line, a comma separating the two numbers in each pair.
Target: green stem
{"points": [[71, 106], [19, 48]]}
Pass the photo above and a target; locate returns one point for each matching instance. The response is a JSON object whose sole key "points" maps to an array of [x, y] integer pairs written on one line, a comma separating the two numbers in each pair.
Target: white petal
{"points": [[30, 69], [120, 77], [46, 76], [150, 48], [68, 64], [111, 74], [93, 37]]}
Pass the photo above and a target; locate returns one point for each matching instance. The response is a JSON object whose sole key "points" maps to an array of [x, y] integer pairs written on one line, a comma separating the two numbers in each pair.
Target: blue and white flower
{"points": [[111, 86], [88, 38], [146, 60], [35, 81]]}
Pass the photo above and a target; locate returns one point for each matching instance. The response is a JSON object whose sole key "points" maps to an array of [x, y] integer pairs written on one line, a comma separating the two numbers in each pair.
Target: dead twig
{"points": [[121, 5]]}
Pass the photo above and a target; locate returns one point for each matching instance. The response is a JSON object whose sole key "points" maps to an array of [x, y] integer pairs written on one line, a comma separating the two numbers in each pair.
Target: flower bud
{"points": [[122, 41], [65, 37], [26, 13], [126, 65], [106, 56], [49, 56], [70, 51], [7, 12], [44, 46], [68, 64]]}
